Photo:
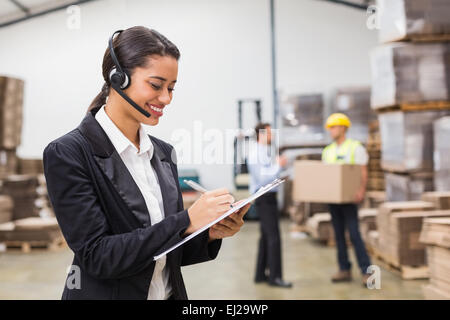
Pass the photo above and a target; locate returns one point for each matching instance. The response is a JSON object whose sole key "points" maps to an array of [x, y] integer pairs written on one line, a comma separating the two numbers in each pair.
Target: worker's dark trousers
{"points": [[269, 253], [345, 216]]}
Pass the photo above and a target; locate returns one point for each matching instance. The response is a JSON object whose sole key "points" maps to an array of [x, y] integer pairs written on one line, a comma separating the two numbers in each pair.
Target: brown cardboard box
{"points": [[404, 233], [8, 162], [367, 222], [410, 73], [30, 229], [22, 189], [436, 231], [436, 235], [418, 19], [6, 205], [30, 166], [319, 226], [389, 228], [315, 181], [407, 187], [440, 199], [11, 103]]}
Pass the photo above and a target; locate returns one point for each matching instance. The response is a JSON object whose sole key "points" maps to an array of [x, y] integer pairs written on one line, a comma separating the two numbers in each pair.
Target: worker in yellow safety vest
{"points": [[345, 216]]}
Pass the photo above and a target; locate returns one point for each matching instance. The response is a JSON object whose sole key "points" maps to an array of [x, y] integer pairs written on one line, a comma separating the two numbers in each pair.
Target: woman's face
{"points": [[152, 88]]}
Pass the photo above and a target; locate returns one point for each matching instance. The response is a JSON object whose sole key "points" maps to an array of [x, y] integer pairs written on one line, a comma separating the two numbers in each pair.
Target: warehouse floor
{"points": [[41, 275]]}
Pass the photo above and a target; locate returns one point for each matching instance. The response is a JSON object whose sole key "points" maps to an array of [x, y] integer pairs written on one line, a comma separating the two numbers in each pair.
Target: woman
{"points": [[115, 189]]}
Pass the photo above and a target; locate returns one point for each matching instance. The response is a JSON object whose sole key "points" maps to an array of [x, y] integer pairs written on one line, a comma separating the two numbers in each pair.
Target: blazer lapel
{"points": [[113, 167], [166, 180]]}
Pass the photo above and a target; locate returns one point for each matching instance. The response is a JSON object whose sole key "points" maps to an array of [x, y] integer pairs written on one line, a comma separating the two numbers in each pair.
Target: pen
{"points": [[194, 185]]}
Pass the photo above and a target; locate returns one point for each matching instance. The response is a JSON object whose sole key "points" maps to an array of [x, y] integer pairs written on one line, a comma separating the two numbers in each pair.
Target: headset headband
{"points": [[113, 54]]}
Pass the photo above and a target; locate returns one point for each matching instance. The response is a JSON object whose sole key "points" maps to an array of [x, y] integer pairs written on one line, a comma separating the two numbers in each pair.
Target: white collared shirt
{"points": [[140, 168]]}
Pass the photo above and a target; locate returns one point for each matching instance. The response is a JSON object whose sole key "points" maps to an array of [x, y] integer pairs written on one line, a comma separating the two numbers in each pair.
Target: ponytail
{"points": [[100, 99]]}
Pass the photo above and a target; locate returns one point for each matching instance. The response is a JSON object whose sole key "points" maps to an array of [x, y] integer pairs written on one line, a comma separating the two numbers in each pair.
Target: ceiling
{"points": [[15, 11]]}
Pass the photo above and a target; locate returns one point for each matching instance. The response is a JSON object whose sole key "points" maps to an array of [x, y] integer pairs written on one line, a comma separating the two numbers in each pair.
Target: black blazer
{"points": [[105, 221]]}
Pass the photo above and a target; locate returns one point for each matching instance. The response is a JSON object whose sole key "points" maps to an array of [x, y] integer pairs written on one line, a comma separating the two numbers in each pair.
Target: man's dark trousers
{"points": [[269, 253], [345, 216]]}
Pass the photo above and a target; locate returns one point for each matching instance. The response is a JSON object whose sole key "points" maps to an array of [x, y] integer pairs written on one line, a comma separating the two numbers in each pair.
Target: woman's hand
{"points": [[230, 225], [210, 206]]}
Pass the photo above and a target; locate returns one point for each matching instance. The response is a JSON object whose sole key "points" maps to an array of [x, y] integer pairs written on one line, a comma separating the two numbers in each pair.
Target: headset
{"points": [[119, 79]]}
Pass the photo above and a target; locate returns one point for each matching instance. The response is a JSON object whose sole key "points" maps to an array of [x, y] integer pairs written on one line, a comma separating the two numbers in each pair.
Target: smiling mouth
{"points": [[154, 109]]}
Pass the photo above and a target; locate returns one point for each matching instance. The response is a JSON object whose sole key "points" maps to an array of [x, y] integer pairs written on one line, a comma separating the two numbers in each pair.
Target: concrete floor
{"points": [[309, 265]]}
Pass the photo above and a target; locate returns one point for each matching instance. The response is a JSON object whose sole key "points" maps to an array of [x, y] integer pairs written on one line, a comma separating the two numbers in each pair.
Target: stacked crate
{"points": [[11, 102], [376, 175], [6, 205], [436, 236], [441, 154], [302, 120], [410, 91], [23, 191]]}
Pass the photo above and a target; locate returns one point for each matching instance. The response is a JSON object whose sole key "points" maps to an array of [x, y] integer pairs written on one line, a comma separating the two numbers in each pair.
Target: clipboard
{"points": [[254, 196]]}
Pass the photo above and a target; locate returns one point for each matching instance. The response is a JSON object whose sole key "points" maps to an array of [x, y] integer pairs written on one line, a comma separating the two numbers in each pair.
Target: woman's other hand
{"points": [[210, 206], [230, 225]]}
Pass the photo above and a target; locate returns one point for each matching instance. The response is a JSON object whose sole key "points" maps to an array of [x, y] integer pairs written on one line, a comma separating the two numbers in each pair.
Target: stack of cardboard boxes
{"points": [[436, 236], [390, 238], [441, 154], [25, 212], [23, 191], [11, 101], [410, 91], [376, 174], [6, 205], [302, 120]]}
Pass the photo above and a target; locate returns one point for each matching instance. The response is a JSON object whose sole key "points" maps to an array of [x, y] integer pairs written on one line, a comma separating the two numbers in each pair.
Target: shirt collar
{"points": [[118, 139]]}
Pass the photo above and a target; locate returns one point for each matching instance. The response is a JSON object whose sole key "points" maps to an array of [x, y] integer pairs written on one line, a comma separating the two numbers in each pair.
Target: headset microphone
{"points": [[120, 80]]}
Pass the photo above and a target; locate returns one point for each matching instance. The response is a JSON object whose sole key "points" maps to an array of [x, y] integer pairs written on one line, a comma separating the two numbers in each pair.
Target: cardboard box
{"points": [[302, 119], [407, 140], [388, 227], [440, 199], [436, 235], [407, 187], [441, 154], [11, 104], [315, 181], [410, 73], [436, 232], [418, 19]]}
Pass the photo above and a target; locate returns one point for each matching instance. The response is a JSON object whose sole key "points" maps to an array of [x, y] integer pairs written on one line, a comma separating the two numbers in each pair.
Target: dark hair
{"points": [[260, 127], [132, 48]]}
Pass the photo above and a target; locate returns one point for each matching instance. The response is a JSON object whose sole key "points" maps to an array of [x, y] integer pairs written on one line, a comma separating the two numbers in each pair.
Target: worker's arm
{"points": [[362, 158], [362, 189], [264, 173]]}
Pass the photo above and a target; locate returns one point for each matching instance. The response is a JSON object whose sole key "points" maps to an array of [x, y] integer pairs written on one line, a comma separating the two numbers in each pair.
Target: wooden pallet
{"points": [[428, 38], [376, 184], [28, 246], [413, 106], [405, 272]]}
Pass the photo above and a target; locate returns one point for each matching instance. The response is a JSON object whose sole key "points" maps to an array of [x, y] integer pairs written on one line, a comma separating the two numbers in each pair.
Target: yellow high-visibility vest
{"points": [[331, 155]]}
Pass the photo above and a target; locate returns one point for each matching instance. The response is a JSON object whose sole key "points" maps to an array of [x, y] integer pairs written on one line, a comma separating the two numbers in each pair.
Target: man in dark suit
{"points": [[262, 171]]}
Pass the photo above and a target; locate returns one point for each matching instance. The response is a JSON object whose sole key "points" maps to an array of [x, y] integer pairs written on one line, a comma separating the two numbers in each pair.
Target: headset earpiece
{"points": [[119, 79]]}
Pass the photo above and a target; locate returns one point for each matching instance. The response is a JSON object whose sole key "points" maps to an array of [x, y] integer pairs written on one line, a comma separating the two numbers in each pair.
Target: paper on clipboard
{"points": [[254, 196]]}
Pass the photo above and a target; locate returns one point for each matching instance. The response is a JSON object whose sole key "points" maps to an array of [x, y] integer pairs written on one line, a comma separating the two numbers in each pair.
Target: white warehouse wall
{"points": [[225, 55]]}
